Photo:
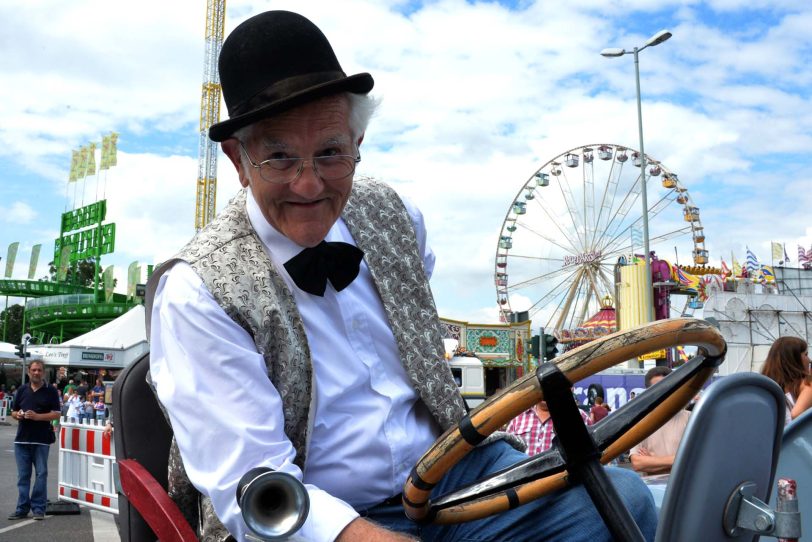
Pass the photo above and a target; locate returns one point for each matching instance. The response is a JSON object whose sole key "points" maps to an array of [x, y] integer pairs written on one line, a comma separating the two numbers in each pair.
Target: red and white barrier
{"points": [[5, 405], [86, 460]]}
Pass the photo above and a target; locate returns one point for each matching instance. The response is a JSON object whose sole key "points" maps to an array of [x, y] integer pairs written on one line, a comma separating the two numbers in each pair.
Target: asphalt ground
{"points": [[87, 526]]}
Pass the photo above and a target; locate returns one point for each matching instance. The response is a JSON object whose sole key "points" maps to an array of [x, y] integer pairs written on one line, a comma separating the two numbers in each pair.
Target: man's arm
{"points": [[643, 461], [225, 413]]}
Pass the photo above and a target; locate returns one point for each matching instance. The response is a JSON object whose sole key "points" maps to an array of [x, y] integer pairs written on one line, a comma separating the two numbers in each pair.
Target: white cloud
{"points": [[19, 212], [476, 98]]}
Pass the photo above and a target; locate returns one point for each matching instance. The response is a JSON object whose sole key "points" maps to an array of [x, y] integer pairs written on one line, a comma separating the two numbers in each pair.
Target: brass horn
{"points": [[274, 504]]}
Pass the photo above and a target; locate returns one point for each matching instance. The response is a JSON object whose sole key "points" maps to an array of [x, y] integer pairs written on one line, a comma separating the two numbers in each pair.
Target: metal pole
{"points": [[649, 293]]}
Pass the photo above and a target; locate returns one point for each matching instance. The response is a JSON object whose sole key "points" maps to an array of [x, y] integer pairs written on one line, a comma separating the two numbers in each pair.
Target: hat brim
{"points": [[360, 83]]}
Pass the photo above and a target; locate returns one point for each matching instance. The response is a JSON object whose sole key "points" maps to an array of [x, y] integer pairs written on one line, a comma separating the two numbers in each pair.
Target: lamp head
{"points": [[613, 51], [658, 38]]}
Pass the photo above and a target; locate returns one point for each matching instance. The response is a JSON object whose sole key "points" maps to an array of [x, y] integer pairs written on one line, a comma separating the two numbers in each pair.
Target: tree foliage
{"points": [[79, 273], [14, 332]]}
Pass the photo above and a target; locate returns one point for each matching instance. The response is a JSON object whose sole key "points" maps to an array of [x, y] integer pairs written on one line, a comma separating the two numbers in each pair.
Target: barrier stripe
{"points": [[86, 465], [106, 445]]}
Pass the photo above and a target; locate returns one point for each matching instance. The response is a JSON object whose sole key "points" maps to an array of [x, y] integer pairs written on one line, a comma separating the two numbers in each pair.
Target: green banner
{"points": [[32, 267], [109, 284], [12, 255], [64, 260]]}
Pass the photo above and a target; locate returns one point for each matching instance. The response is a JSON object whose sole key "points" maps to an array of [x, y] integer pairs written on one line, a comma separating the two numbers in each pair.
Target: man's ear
{"points": [[231, 148]]}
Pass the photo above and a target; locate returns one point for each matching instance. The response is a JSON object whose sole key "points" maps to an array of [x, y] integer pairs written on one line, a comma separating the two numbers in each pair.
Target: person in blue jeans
{"points": [[35, 405]]}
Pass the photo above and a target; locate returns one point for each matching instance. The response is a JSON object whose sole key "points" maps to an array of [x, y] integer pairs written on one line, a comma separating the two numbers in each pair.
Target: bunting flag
{"points": [[10, 257], [76, 158], [737, 268], [725, 270], [109, 284], [32, 266], [112, 159], [131, 279], [81, 166], [803, 256], [766, 274], [786, 256], [691, 282], [778, 250], [104, 160], [752, 263], [91, 159]]}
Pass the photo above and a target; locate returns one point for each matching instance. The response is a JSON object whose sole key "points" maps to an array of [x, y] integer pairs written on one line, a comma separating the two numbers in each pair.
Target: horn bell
{"points": [[274, 504]]}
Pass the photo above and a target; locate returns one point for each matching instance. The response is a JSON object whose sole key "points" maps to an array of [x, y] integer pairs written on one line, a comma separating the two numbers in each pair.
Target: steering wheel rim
{"points": [[576, 365]]}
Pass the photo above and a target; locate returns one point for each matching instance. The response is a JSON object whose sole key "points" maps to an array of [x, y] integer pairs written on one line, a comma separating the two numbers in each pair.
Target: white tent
{"points": [[8, 352], [114, 345]]}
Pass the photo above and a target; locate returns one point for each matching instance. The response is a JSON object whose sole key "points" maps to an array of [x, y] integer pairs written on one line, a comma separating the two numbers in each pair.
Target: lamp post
{"points": [[656, 39]]}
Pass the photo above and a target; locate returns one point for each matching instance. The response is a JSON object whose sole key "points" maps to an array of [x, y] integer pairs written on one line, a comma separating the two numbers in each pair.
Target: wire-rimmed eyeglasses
{"points": [[286, 170]]}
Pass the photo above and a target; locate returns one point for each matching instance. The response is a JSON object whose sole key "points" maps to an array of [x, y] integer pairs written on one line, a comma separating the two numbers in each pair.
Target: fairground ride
{"points": [[570, 222], [206, 199]]}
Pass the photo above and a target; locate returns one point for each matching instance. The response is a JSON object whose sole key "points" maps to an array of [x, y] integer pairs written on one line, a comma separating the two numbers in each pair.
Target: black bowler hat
{"points": [[275, 61]]}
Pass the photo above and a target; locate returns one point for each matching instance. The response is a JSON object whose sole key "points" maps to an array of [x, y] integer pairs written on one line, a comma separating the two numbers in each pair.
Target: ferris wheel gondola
{"points": [[570, 222]]}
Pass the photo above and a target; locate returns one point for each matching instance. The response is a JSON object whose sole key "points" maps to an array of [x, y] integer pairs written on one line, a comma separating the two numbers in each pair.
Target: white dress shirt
{"points": [[369, 428]]}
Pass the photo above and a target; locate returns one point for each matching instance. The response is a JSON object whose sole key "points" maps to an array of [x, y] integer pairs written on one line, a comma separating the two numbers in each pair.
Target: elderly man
{"points": [[35, 405], [298, 331], [656, 454]]}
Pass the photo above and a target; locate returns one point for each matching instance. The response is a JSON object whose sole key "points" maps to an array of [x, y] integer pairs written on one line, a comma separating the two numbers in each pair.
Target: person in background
{"points": [[81, 390], [535, 427], [74, 403], [68, 389], [35, 405], [99, 407], [788, 364], [598, 411], [97, 393], [656, 454], [312, 287]]}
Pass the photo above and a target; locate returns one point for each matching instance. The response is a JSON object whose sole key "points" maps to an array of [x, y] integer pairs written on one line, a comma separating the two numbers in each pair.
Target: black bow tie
{"points": [[336, 261]]}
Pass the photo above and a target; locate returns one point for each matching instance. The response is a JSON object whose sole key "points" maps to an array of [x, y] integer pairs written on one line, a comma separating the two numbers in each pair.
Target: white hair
{"points": [[361, 106]]}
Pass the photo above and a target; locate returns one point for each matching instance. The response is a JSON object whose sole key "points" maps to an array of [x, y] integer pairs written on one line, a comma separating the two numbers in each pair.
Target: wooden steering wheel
{"points": [[546, 472]]}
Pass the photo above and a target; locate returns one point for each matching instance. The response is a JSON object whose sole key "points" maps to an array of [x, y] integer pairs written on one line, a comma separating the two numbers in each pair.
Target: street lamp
{"points": [[656, 39]]}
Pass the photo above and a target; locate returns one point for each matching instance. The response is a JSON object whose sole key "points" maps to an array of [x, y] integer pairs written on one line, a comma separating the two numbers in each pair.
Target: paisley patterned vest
{"points": [[230, 259]]}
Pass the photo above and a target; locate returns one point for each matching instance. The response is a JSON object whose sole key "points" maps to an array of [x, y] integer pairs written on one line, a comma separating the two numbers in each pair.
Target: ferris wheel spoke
{"points": [[573, 289], [656, 210], [547, 238], [608, 198], [589, 200], [554, 291], [653, 211], [622, 211], [612, 182], [572, 207], [535, 280], [573, 248]]}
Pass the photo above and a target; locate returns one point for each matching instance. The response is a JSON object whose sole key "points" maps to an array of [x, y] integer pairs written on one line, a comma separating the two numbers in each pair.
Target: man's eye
{"points": [[332, 151]]}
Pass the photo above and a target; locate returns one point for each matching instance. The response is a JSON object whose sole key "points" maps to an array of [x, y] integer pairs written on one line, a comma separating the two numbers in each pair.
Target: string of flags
{"points": [[83, 159]]}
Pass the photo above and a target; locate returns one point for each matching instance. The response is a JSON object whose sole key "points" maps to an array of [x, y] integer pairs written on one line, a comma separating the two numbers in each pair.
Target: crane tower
{"points": [[209, 114]]}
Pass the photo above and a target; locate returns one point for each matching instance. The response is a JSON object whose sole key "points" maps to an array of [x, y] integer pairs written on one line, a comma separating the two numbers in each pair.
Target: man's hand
{"points": [[361, 529]]}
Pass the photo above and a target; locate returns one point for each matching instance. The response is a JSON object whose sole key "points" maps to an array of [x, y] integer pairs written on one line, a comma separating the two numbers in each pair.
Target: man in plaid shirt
{"points": [[535, 427]]}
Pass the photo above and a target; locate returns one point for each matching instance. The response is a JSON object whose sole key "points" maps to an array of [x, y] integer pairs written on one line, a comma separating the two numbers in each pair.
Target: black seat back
{"points": [[142, 433]]}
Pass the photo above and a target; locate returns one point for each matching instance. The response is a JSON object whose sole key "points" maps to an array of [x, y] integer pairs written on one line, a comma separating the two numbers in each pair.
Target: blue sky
{"points": [[476, 97]]}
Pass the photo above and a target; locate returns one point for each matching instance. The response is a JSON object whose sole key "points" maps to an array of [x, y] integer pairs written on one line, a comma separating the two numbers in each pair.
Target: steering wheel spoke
{"points": [[530, 479]]}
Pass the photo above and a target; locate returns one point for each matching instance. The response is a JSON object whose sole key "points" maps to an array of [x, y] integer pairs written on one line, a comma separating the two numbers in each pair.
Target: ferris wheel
{"points": [[574, 218]]}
